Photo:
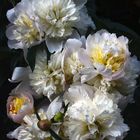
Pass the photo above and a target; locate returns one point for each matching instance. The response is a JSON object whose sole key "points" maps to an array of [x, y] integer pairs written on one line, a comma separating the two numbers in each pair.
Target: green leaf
{"points": [[31, 57]]}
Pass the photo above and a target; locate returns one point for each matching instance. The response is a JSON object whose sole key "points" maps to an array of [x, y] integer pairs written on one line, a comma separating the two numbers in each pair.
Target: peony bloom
{"points": [[58, 18], [108, 54], [47, 78], [23, 32], [20, 103], [34, 129], [92, 116]]}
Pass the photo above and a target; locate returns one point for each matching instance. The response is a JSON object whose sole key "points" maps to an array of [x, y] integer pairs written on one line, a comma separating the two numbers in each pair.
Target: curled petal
{"points": [[19, 74]]}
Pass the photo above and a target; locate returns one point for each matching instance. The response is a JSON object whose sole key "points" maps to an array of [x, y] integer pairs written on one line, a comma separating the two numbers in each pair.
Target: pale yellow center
{"points": [[24, 20], [108, 60], [27, 30], [16, 104]]}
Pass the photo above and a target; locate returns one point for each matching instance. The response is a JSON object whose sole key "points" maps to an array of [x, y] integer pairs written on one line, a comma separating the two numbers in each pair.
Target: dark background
{"points": [[126, 12]]}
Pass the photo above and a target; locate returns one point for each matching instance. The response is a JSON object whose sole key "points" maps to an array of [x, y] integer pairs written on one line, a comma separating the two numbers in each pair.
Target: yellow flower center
{"points": [[17, 104], [26, 30], [24, 20], [109, 60]]}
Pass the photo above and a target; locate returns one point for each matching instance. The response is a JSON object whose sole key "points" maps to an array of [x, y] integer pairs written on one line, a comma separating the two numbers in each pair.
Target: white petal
{"points": [[84, 58], [73, 44], [11, 15], [13, 44], [54, 45], [9, 32], [19, 74], [14, 134], [54, 107], [79, 92], [88, 74]]}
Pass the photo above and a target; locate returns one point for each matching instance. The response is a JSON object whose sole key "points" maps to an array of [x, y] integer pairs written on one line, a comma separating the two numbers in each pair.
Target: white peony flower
{"points": [[47, 78], [20, 103], [92, 116], [58, 19], [108, 55], [23, 32], [35, 129]]}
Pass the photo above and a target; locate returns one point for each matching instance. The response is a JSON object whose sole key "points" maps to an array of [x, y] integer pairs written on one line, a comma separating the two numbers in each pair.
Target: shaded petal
{"points": [[84, 22], [13, 44], [88, 74], [10, 32], [73, 44], [14, 134], [11, 15], [19, 74], [54, 45], [80, 3], [54, 107], [84, 58]]}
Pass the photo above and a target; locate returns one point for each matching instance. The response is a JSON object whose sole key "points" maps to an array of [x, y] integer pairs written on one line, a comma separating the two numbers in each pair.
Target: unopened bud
{"points": [[44, 125]]}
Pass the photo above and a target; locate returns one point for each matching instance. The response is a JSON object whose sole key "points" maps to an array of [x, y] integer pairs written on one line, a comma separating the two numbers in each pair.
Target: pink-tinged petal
{"points": [[20, 103]]}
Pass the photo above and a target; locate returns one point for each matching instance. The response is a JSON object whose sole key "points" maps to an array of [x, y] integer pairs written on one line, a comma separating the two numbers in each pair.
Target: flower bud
{"points": [[19, 104], [44, 125]]}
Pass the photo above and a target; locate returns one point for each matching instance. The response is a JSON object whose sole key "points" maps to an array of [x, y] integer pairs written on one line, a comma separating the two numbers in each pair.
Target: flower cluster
{"points": [[83, 82]]}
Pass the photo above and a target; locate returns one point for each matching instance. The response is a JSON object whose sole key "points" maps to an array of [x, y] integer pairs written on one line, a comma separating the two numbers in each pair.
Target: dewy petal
{"points": [[54, 45]]}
